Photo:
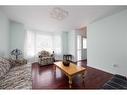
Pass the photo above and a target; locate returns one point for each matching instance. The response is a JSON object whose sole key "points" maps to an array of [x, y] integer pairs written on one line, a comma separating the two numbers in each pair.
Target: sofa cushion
{"points": [[4, 66]]}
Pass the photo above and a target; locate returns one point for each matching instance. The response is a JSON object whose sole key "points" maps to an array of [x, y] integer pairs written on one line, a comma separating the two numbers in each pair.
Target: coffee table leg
{"points": [[82, 79], [70, 81], [83, 75]]}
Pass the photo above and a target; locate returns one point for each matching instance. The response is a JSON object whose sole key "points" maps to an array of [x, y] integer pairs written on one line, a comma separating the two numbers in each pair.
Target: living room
{"points": [[95, 42]]}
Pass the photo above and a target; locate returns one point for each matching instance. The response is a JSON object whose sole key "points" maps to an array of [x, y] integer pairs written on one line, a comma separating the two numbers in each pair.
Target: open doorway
{"points": [[81, 48]]}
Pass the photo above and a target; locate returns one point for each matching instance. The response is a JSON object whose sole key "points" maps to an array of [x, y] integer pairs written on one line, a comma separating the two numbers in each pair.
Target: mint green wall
{"points": [[107, 44], [17, 35], [4, 35]]}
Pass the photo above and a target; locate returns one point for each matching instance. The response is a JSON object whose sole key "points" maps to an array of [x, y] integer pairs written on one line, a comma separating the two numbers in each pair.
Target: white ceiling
{"points": [[37, 17]]}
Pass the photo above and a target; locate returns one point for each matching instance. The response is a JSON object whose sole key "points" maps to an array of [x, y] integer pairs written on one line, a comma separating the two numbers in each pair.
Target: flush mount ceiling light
{"points": [[58, 13]]}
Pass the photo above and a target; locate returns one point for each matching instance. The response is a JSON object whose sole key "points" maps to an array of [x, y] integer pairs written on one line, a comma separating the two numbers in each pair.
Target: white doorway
{"points": [[81, 47]]}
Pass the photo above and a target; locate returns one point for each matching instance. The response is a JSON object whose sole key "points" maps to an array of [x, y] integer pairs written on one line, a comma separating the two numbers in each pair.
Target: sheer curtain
{"points": [[29, 46], [36, 41], [43, 42]]}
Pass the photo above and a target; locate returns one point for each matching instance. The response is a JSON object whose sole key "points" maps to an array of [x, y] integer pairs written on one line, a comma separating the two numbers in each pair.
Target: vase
{"points": [[66, 62]]}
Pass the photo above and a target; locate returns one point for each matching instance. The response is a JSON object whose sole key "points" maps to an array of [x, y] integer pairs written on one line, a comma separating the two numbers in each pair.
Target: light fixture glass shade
{"points": [[58, 13]]}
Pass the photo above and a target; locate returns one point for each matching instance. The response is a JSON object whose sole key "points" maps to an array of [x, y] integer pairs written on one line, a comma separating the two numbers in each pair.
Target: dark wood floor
{"points": [[43, 78]]}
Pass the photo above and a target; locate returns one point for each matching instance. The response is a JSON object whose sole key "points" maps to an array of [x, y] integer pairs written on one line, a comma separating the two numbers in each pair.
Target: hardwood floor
{"points": [[43, 77]]}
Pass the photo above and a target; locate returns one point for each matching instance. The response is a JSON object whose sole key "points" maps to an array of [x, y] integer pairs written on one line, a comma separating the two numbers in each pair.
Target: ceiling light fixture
{"points": [[58, 13]]}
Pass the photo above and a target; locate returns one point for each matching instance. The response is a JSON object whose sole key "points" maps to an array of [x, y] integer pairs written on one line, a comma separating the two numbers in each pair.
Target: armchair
{"points": [[45, 58]]}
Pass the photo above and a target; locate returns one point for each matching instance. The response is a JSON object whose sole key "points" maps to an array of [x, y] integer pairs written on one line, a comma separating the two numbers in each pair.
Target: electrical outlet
{"points": [[115, 65]]}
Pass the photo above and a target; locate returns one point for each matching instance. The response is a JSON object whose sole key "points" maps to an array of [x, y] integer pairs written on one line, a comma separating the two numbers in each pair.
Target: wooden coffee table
{"points": [[70, 71]]}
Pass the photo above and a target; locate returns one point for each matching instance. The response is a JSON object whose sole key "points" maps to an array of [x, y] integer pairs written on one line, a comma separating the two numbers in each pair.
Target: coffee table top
{"points": [[72, 69]]}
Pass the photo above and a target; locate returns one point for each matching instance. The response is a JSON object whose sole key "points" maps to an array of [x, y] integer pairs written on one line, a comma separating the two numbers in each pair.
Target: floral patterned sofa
{"points": [[45, 58], [14, 77]]}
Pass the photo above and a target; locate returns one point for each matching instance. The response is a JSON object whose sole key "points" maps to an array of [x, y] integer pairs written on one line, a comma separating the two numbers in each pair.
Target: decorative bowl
{"points": [[66, 63]]}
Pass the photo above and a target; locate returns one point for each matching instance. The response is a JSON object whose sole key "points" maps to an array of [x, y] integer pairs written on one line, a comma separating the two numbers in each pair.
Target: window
{"points": [[84, 43], [43, 42], [37, 41]]}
